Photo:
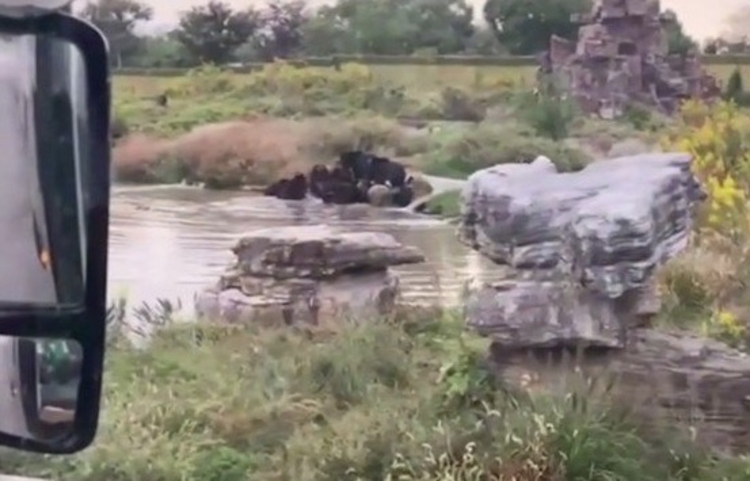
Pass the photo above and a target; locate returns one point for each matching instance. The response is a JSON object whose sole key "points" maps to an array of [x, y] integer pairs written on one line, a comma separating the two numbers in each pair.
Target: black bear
{"points": [[358, 163], [387, 172], [404, 195], [288, 189]]}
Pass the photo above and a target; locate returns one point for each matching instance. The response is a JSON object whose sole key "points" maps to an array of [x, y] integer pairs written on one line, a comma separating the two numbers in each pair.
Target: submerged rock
{"points": [[583, 246], [303, 274], [379, 195]]}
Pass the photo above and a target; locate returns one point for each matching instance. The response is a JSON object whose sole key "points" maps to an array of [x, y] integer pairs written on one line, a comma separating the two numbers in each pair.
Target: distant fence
{"points": [[406, 60]]}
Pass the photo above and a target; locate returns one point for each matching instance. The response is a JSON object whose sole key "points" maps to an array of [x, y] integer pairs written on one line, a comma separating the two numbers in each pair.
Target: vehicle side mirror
{"points": [[54, 220]]}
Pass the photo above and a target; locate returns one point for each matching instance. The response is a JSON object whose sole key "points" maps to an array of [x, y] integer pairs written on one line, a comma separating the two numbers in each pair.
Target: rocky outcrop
{"points": [[302, 274], [379, 196], [582, 249], [583, 246], [669, 381]]}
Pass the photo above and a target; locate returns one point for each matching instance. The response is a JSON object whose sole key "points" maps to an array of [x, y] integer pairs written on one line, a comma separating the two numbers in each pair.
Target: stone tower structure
{"points": [[621, 56]]}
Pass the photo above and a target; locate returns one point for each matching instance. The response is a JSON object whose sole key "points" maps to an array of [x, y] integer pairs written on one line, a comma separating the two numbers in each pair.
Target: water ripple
{"points": [[171, 242]]}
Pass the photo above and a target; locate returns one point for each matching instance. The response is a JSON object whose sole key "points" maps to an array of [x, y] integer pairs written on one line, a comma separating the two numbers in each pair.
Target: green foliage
{"points": [[735, 89], [210, 94], [445, 204], [719, 62], [161, 53], [679, 43], [375, 134], [548, 112], [525, 28], [457, 104], [390, 27], [117, 20], [411, 398], [460, 152], [289, 91], [643, 118], [639, 116], [212, 32]]}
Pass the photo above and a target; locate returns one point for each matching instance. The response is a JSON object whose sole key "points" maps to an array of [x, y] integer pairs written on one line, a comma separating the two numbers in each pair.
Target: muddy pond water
{"points": [[171, 242]]}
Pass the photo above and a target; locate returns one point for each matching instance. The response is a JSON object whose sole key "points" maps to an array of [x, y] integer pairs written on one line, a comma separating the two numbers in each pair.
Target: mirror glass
{"points": [[42, 133], [39, 387]]}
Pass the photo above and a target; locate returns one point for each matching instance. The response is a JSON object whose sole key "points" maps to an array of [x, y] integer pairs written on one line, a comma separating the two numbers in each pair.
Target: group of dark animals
{"points": [[350, 181]]}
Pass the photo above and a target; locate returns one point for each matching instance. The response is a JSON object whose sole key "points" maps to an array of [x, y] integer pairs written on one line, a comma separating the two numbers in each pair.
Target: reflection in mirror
{"points": [[39, 387], [42, 133]]}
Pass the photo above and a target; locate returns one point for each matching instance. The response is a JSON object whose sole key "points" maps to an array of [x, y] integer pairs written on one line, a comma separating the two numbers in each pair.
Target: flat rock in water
{"points": [[583, 246], [319, 252]]}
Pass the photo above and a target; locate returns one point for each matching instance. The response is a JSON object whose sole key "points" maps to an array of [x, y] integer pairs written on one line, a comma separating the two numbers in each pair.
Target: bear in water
{"points": [[334, 186], [384, 171], [404, 195], [288, 189]]}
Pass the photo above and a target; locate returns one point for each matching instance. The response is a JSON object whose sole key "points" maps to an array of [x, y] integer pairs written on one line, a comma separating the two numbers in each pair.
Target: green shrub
{"points": [[460, 105], [735, 89], [326, 140], [548, 111], [445, 204], [288, 90], [463, 152], [639, 116]]}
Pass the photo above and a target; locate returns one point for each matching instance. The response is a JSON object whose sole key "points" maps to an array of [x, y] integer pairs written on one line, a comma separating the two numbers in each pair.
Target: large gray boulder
{"points": [[582, 246], [303, 274]]}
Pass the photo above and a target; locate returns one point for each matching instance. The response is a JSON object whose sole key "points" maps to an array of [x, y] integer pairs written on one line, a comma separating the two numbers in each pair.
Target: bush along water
{"points": [[459, 153]]}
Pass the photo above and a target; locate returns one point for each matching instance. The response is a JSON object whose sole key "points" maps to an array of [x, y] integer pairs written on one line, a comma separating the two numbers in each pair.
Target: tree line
{"points": [[216, 33]]}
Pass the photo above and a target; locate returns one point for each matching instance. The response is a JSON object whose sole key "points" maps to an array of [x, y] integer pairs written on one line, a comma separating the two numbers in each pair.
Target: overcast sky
{"points": [[702, 18]]}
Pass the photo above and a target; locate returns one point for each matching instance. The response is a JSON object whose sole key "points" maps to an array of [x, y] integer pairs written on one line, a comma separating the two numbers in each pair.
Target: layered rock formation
{"points": [[582, 249], [583, 245], [301, 274]]}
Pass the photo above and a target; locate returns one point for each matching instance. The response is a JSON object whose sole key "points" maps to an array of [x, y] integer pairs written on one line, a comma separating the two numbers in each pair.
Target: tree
{"points": [[117, 19], [390, 27], [163, 52], [484, 42], [280, 35], [325, 33], [525, 27], [211, 33], [711, 47], [679, 42], [445, 25], [377, 26]]}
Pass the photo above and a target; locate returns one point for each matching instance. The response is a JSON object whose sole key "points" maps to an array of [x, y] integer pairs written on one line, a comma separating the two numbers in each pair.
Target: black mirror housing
{"points": [[72, 150]]}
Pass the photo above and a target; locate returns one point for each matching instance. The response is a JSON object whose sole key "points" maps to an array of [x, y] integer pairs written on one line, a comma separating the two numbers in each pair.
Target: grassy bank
{"points": [[445, 204], [407, 398], [227, 131]]}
